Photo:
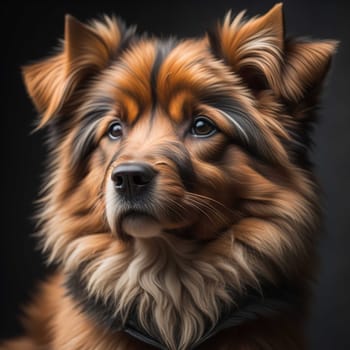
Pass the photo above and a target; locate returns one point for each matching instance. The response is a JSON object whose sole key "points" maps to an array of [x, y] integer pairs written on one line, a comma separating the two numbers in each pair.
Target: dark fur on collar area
{"points": [[270, 301]]}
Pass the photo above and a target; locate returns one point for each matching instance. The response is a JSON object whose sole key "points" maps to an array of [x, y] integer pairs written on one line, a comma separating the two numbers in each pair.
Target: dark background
{"points": [[30, 30]]}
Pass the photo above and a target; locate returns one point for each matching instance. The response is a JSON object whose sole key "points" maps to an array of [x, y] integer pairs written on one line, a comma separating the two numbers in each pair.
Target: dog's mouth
{"points": [[138, 224]]}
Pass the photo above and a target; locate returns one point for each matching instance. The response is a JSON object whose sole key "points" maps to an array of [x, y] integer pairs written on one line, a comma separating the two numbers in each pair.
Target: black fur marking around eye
{"points": [[250, 137], [84, 142]]}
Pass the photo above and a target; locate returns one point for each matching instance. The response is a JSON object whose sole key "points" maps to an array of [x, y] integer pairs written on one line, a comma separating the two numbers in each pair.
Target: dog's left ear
{"points": [[257, 51], [86, 50]]}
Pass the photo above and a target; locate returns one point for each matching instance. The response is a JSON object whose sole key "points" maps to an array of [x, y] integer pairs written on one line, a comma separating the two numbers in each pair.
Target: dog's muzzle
{"points": [[133, 183]]}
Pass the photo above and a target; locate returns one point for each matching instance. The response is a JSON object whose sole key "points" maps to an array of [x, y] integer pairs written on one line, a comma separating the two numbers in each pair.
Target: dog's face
{"points": [[172, 135], [202, 141]]}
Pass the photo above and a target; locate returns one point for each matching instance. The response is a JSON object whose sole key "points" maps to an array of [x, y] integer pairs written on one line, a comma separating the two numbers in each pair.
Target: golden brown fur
{"points": [[232, 212]]}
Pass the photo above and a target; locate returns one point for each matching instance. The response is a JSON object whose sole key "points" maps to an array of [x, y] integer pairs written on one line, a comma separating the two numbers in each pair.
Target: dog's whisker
{"points": [[206, 198], [176, 207], [204, 209], [209, 214], [211, 209]]}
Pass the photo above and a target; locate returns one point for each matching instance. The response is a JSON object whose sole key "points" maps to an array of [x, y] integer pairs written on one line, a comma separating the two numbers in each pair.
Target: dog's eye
{"points": [[115, 131], [203, 127]]}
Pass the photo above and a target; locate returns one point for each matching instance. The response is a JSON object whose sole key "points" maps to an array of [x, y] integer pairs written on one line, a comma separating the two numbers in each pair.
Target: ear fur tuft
{"points": [[256, 50], [86, 50]]}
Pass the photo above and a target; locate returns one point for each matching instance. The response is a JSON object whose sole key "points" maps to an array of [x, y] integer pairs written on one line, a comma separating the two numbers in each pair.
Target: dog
{"points": [[179, 203]]}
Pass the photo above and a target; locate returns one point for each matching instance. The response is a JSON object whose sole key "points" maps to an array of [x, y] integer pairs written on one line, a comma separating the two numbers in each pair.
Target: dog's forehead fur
{"points": [[165, 73], [182, 79]]}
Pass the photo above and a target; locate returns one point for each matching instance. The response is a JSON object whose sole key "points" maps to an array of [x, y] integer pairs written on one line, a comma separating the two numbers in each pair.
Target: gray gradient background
{"points": [[29, 31]]}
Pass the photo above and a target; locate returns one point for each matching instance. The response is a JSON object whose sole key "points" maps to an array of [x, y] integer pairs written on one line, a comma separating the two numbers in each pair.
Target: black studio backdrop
{"points": [[30, 29]]}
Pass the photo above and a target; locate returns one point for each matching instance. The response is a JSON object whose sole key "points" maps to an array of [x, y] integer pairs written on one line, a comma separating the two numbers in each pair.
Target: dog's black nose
{"points": [[131, 179]]}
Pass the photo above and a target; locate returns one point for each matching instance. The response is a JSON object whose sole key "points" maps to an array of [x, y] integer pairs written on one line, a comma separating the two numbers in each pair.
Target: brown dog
{"points": [[179, 203]]}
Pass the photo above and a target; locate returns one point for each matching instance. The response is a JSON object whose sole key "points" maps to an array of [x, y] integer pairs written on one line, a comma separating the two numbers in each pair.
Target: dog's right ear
{"points": [[86, 50]]}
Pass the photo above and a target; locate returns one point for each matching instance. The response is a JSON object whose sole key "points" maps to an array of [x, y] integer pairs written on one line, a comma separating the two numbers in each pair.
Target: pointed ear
{"points": [[257, 51], [86, 50], [304, 68], [253, 48]]}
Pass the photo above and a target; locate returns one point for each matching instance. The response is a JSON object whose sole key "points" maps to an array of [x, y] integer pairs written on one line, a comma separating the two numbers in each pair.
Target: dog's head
{"points": [[201, 141]]}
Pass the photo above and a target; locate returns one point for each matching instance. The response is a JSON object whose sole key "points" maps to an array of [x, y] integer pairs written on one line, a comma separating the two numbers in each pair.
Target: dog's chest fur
{"points": [[171, 290], [176, 294]]}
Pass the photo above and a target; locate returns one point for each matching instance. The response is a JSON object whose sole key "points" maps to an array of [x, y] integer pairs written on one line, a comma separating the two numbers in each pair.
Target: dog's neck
{"points": [[174, 295]]}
